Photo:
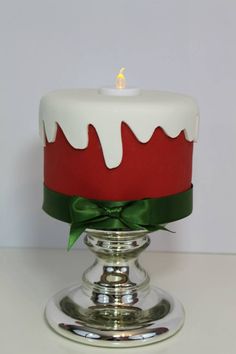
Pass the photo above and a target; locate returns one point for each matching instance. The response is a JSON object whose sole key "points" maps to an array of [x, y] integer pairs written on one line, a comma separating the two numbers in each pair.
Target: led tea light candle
{"points": [[117, 168], [120, 88]]}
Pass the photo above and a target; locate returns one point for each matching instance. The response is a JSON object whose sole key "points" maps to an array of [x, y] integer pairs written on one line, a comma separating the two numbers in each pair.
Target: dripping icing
{"points": [[107, 114]]}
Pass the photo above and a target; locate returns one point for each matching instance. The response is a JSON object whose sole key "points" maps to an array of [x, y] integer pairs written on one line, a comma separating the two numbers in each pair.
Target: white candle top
{"points": [[120, 88], [74, 110], [112, 91]]}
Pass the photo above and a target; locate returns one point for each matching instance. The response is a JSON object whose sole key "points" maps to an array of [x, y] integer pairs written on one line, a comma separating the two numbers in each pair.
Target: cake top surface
{"points": [[74, 110]]}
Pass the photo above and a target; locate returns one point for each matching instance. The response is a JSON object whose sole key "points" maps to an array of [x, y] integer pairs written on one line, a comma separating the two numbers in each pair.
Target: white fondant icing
{"points": [[75, 110]]}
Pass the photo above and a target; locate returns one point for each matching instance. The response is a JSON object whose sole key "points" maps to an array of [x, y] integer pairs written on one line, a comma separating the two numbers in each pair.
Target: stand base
{"points": [[91, 326]]}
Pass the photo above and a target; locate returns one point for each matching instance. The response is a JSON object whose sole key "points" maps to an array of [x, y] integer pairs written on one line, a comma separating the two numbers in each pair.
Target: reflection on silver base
{"points": [[138, 333], [115, 305]]}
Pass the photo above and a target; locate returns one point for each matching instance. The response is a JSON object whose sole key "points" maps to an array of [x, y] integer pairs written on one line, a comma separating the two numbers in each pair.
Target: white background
{"points": [[185, 46]]}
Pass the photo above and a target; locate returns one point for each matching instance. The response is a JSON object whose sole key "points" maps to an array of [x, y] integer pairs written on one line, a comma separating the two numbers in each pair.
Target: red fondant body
{"points": [[160, 167]]}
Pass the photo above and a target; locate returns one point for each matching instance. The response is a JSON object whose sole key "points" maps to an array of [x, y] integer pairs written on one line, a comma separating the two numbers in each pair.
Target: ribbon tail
{"points": [[165, 229], [159, 227], [75, 232], [131, 225]]}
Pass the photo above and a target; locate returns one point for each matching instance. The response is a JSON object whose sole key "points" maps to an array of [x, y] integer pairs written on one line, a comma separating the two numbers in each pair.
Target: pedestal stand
{"points": [[115, 306]]}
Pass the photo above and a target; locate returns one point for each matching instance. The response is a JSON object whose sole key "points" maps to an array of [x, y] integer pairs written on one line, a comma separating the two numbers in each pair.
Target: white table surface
{"points": [[205, 284]]}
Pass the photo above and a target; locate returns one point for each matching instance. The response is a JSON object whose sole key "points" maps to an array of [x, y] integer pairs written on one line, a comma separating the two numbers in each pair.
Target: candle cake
{"points": [[118, 148]]}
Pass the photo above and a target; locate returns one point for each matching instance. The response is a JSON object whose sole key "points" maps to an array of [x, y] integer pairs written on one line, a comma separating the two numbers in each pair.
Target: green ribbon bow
{"points": [[149, 214], [87, 213]]}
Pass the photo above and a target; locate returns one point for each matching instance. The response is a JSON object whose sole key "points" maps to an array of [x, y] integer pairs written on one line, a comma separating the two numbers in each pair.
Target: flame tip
{"points": [[120, 79]]}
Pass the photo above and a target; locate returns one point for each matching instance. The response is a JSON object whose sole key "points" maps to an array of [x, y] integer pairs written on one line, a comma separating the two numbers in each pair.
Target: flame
{"points": [[120, 79]]}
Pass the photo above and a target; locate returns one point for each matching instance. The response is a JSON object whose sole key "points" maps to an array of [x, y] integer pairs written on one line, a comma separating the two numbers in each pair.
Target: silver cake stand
{"points": [[115, 306]]}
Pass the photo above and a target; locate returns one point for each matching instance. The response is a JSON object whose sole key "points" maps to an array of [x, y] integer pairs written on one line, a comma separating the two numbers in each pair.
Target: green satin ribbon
{"points": [[149, 214]]}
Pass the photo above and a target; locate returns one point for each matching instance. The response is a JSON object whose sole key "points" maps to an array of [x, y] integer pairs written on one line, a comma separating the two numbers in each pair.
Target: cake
{"points": [[114, 149]]}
